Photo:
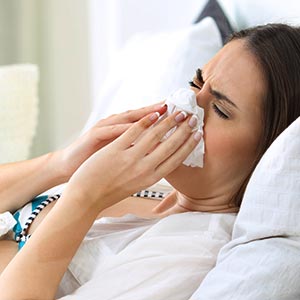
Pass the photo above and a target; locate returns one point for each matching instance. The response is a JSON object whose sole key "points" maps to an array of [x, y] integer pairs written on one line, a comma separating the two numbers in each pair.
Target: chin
{"points": [[186, 180]]}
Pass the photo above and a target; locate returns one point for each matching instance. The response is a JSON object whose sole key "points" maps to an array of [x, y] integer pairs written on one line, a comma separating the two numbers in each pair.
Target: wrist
{"points": [[83, 199], [56, 167]]}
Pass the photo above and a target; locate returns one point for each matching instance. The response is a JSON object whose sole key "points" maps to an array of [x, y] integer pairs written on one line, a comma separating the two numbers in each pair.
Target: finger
{"points": [[132, 116], [155, 134], [176, 159], [166, 203], [130, 136], [169, 146], [111, 132]]}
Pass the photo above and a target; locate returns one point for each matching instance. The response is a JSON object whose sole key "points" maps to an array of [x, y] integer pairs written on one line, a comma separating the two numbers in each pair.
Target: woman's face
{"points": [[230, 91]]}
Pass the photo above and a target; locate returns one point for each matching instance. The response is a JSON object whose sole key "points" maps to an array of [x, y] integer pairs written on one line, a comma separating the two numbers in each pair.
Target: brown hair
{"points": [[276, 48]]}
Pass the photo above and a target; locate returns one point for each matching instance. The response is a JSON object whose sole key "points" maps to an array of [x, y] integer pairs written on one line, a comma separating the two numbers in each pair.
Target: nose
{"points": [[203, 98]]}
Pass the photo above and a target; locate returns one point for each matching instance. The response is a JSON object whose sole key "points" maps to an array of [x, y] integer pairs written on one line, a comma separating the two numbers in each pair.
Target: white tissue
{"points": [[185, 100], [7, 222]]}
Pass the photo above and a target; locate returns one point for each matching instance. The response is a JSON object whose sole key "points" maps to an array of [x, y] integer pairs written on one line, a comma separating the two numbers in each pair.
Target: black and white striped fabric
{"points": [[23, 236], [150, 194]]}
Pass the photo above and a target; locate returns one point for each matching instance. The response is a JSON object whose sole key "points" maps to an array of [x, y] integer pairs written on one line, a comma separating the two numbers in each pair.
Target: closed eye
{"points": [[219, 112]]}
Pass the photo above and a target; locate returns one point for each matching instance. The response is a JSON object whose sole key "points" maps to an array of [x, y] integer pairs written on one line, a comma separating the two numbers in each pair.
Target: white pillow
{"points": [[151, 66], [263, 259], [247, 13]]}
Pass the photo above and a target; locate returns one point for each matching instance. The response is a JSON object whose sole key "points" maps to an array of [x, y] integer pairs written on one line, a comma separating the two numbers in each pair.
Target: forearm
{"points": [[39, 267], [22, 181], [111, 174]]}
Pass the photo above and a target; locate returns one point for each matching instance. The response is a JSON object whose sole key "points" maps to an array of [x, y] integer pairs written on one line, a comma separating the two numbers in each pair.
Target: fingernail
{"points": [[181, 116], [154, 116], [193, 121], [197, 135], [160, 106]]}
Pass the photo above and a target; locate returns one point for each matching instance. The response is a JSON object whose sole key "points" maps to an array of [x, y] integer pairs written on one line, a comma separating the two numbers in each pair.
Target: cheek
{"points": [[219, 148], [227, 148]]}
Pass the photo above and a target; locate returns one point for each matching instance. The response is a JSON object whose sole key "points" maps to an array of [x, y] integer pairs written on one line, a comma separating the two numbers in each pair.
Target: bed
{"points": [[262, 259]]}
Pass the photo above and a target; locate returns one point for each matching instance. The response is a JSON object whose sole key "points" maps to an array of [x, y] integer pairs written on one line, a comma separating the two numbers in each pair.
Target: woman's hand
{"points": [[135, 160], [101, 134], [131, 162]]}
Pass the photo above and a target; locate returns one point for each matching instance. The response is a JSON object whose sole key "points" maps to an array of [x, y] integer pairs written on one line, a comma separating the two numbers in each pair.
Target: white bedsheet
{"points": [[165, 260]]}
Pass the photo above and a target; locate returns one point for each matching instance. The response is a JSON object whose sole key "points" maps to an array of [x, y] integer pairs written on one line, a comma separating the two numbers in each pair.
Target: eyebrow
{"points": [[216, 94], [221, 96]]}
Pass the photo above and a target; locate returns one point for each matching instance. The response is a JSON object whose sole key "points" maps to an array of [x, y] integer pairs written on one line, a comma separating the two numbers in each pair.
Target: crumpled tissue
{"points": [[185, 100]]}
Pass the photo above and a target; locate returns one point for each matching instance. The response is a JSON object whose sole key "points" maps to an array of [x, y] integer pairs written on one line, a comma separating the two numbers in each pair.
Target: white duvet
{"points": [[148, 259]]}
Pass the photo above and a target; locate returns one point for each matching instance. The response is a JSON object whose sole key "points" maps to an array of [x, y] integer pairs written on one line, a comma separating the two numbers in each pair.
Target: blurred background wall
{"points": [[73, 43], [53, 35]]}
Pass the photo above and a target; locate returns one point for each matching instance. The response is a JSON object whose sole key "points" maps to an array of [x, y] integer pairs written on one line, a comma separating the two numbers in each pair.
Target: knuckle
{"points": [[170, 122], [156, 136], [185, 128], [144, 122], [173, 144], [133, 132], [190, 144], [141, 172]]}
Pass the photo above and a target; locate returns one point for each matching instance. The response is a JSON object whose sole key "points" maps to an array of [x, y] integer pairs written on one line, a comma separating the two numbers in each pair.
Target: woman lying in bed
{"points": [[250, 94]]}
